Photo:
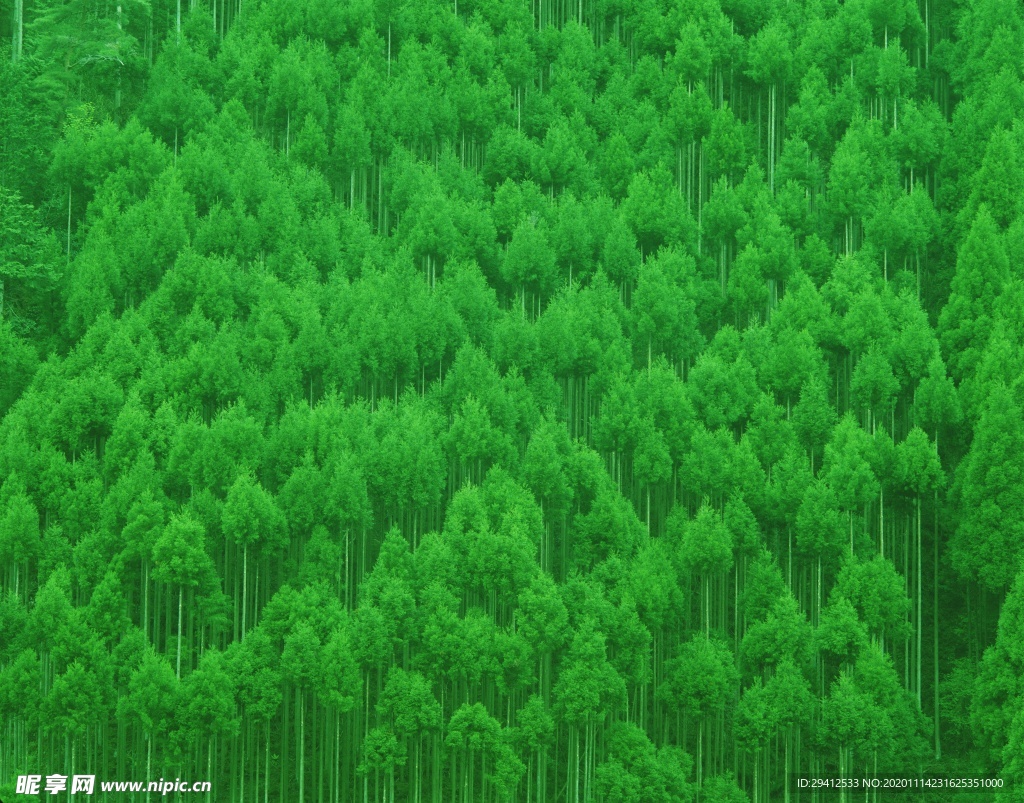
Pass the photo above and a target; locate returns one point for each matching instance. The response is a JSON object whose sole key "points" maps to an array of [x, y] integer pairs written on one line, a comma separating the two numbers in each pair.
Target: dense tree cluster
{"points": [[491, 400]]}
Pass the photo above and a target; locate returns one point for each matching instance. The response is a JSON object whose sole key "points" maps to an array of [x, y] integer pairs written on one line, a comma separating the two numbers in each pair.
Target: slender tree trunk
{"points": [[576, 766], [757, 762], [69, 225], [700, 752], [302, 746], [180, 594], [935, 620], [881, 522], [785, 771], [17, 35], [117, 91], [771, 138], [241, 774], [919, 609], [245, 583]]}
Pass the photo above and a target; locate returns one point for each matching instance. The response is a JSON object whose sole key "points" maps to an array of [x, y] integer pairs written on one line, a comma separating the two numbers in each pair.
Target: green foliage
{"points": [[877, 592], [499, 401], [965, 323], [989, 483], [636, 771]]}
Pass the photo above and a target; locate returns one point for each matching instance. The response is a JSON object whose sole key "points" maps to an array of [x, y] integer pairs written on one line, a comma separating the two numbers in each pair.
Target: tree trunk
{"points": [[919, 609], [771, 138], [302, 746], [935, 619], [180, 593], [245, 583], [17, 35], [69, 224], [241, 774]]}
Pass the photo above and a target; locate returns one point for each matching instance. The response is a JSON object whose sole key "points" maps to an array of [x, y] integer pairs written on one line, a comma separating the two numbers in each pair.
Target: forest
{"points": [[477, 401]]}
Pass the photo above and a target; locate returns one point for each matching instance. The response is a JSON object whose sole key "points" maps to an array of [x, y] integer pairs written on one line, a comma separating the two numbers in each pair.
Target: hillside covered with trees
{"points": [[492, 400]]}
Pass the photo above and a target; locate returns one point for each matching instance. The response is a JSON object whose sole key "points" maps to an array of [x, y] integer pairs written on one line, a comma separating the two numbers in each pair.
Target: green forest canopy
{"points": [[491, 400]]}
